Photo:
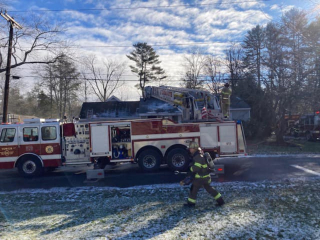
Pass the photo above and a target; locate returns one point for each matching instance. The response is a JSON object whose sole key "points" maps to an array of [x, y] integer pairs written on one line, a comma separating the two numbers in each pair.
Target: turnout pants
{"points": [[199, 183], [225, 108]]}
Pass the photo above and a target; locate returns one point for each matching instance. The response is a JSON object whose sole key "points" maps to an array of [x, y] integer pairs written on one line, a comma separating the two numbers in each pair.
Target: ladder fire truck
{"points": [[39, 144]]}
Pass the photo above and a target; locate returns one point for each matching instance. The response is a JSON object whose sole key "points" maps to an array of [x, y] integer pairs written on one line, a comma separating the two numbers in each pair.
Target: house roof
{"points": [[236, 102], [111, 109], [113, 98]]}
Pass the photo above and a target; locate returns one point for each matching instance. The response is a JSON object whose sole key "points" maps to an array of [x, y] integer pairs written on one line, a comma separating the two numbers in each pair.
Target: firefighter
{"points": [[225, 100], [200, 177]]}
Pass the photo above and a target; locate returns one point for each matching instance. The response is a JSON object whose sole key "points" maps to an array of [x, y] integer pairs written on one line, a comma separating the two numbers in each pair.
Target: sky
{"points": [[108, 29]]}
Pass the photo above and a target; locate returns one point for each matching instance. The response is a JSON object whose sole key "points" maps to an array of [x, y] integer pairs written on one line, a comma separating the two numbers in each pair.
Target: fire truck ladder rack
{"points": [[194, 104]]}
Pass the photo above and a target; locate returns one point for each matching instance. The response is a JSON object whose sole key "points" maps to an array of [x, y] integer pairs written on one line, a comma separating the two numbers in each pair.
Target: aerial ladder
{"points": [[195, 104]]}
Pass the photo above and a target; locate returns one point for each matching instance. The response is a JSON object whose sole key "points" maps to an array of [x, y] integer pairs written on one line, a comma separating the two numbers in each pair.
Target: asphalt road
{"points": [[127, 175]]}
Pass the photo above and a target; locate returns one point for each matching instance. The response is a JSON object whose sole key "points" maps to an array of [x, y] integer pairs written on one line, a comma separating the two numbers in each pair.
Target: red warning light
{"points": [[317, 112], [220, 169]]}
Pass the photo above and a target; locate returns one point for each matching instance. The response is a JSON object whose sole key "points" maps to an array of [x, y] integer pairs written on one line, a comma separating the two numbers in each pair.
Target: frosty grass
{"points": [[289, 209]]}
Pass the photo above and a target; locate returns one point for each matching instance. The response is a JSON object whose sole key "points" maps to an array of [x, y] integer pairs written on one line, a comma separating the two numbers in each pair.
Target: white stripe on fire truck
{"points": [[167, 135], [43, 157], [53, 156], [8, 159]]}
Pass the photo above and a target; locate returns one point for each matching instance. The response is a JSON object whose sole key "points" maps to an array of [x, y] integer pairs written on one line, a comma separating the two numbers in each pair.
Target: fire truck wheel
{"points": [[149, 160], [30, 166], [178, 159]]}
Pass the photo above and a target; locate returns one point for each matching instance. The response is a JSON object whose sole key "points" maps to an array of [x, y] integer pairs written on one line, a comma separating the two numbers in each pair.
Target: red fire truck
{"points": [[39, 144], [307, 126]]}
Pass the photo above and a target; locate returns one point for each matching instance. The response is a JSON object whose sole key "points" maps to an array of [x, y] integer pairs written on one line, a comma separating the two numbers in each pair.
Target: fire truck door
{"points": [[8, 145], [29, 140], [50, 142]]}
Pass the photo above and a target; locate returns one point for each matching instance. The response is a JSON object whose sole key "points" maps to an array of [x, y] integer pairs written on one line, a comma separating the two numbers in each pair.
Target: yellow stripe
{"points": [[198, 176], [216, 197], [200, 165], [191, 200]]}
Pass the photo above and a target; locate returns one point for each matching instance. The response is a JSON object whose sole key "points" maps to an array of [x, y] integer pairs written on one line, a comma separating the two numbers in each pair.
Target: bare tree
{"points": [[234, 55], [212, 70], [194, 64], [37, 36], [312, 87], [61, 83], [103, 80]]}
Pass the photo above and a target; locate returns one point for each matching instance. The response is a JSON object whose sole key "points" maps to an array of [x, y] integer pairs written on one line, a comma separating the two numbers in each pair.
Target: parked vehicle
{"points": [[308, 126], [39, 144]]}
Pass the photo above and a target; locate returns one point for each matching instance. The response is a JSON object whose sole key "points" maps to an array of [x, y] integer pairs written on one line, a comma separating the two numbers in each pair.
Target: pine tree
{"points": [[146, 64]]}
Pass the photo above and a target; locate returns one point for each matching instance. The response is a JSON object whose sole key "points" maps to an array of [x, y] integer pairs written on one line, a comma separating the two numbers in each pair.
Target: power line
{"points": [[126, 46], [142, 7], [128, 80]]}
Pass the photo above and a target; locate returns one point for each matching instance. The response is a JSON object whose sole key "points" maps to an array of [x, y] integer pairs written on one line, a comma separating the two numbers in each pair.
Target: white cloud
{"points": [[223, 24], [287, 8], [163, 18], [215, 22], [281, 7]]}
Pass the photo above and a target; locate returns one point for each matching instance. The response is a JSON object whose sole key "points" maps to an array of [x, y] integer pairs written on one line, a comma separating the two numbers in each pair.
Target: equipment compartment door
{"points": [[208, 136], [100, 140], [228, 139]]}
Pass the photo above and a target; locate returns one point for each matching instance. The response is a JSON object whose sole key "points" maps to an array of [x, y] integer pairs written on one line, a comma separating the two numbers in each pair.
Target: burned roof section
{"points": [[110, 110]]}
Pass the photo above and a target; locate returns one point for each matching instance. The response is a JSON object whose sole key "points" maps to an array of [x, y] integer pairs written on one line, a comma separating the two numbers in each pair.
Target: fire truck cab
{"points": [[31, 146]]}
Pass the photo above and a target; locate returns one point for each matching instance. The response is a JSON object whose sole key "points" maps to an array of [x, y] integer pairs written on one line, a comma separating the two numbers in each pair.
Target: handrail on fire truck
{"points": [[195, 104]]}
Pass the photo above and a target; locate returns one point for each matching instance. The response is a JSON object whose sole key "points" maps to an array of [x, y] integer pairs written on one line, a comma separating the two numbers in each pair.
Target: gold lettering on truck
{"points": [[6, 151]]}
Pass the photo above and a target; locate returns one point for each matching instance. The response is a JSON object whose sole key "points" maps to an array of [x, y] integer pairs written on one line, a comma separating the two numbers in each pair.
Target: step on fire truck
{"points": [[39, 144]]}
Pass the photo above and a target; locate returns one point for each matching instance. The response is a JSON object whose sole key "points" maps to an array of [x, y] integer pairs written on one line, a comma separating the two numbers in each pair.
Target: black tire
{"points": [[30, 166], [178, 159], [149, 160]]}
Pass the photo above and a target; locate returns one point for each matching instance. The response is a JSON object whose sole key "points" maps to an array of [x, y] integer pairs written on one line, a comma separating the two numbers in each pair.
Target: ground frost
{"points": [[266, 210]]}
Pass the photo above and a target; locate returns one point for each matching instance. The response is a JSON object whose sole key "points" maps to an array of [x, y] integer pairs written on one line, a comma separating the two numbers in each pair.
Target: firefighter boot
{"points": [[189, 204], [220, 201]]}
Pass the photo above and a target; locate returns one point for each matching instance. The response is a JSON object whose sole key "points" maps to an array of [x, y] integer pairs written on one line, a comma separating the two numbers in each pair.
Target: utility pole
{"points": [[13, 24]]}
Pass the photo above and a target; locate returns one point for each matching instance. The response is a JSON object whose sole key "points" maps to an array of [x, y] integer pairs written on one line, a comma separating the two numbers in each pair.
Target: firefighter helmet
{"points": [[226, 85], [193, 145]]}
